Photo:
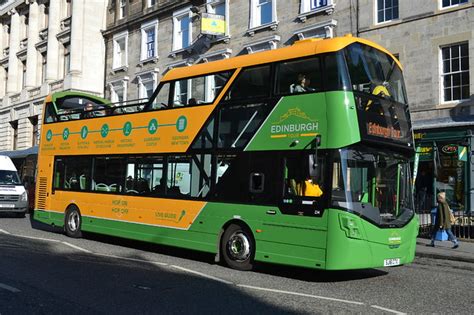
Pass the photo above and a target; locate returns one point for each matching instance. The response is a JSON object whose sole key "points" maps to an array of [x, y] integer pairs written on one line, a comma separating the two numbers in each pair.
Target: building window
{"points": [[67, 58], [25, 27], [35, 131], [146, 84], [262, 12], [182, 29], [152, 3], [122, 6], [120, 43], [263, 44], [6, 80], [23, 74], [311, 5], [68, 8], [43, 67], [452, 3], [387, 10], [149, 40], [455, 75], [146, 88], [45, 16], [216, 7], [6, 36], [14, 125], [118, 91], [219, 8]]}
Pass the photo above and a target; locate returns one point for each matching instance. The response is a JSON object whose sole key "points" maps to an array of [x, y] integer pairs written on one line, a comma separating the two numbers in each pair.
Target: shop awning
{"points": [[444, 122], [16, 154]]}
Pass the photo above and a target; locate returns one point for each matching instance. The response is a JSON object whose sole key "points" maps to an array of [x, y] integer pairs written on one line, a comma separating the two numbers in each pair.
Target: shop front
{"points": [[444, 163], [443, 166]]}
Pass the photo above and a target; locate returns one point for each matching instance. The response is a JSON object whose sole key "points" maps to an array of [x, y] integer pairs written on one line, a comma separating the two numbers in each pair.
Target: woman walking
{"points": [[443, 221]]}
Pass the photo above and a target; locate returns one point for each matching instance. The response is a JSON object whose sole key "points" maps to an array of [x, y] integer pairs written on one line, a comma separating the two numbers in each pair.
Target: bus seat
{"points": [[174, 190], [114, 187], [82, 182], [102, 187]]}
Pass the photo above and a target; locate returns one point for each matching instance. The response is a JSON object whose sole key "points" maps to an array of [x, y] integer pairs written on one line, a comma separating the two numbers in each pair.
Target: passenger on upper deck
{"points": [[88, 111], [299, 85]]}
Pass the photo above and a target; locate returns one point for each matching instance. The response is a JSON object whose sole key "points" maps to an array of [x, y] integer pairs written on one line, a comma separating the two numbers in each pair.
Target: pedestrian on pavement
{"points": [[443, 221]]}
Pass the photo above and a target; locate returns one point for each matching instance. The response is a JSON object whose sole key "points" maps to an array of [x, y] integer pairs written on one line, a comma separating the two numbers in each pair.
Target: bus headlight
{"points": [[350, 226], [24, 196]]}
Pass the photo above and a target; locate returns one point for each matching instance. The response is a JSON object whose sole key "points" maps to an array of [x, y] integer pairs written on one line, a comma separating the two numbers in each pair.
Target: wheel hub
{"points": [[239, 246], [73, 221]]}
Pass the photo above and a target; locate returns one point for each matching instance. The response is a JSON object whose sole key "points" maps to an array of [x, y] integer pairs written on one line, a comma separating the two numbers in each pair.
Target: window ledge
{"points": [[225, 39], [153, 59], [176, 52], [327, 9], [388, 22], [455, 6], [451, 104], [273, 26], [119, 69]]}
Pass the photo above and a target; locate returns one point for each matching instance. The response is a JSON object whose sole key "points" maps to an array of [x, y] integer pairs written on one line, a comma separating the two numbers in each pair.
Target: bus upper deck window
{"points": [[252, 82], [299, 76], [50, 115]]}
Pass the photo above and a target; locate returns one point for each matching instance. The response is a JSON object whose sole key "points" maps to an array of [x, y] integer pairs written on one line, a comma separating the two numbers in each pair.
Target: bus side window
{"points": [[302, 177], [252, 82], [299, 76], [50, 115]]}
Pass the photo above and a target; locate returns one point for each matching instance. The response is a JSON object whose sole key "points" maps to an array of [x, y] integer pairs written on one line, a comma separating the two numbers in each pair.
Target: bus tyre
{"points": [[72, 222], [238, 247]]}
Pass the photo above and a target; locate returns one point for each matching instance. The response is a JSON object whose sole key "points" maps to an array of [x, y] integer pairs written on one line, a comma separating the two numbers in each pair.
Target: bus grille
{"points": [[42, 193], [9, 198]]}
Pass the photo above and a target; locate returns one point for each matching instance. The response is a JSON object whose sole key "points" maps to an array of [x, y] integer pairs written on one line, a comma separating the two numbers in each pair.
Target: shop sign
{"points": [[426, 153], [212, 24], [419, 135], [450, 148]]}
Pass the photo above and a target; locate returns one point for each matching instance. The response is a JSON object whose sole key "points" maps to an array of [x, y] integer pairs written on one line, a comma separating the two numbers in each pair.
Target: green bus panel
{"points": [[296, 120], [342, 117], [302, 239], [283, 239], [353, 249]]}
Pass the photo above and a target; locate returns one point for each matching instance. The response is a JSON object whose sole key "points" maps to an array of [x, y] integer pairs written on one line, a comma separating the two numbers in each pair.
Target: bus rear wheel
{"points": [[238, 247], [72, 222]]}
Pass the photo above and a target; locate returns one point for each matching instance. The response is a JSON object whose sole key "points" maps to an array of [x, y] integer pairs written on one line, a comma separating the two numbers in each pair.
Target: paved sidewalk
{"points": [[443, 250]]}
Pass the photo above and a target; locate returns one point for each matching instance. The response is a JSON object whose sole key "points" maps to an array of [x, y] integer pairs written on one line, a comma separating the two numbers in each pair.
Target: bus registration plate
{"points": [[6, 205], [391, 262]]}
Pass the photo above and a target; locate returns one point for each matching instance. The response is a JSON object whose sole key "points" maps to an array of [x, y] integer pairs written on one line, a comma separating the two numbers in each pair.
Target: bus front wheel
{"points": [[238, 247], [72, 222]]}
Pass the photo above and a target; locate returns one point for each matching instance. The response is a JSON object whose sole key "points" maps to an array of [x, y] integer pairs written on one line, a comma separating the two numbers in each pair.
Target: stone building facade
{"points": [[173, 32], [433, 40], [45, 46]]}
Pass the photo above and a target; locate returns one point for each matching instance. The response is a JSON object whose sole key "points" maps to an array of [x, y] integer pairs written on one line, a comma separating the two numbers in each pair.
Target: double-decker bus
{"points": [[296, 156]]}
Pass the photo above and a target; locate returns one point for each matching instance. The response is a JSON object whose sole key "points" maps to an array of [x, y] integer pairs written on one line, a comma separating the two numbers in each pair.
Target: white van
{"points": [[13, 196]]}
